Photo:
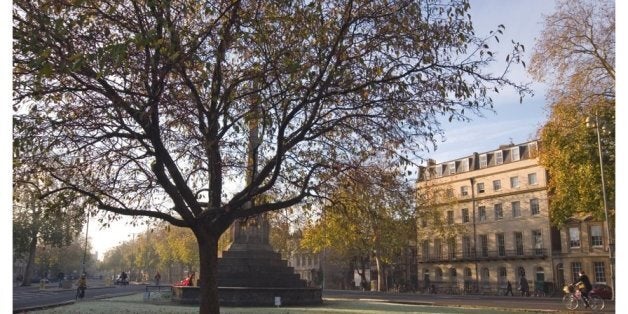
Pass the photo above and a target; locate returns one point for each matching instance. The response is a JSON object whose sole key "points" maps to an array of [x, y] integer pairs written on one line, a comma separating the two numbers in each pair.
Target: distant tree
{"points": [[148, 108], [370, 215], [576, 54], [576, 51], [432, 202]]}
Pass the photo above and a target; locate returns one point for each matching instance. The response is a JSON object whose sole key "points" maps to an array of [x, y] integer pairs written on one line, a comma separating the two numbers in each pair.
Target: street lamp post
{"points": [[608, 231]]}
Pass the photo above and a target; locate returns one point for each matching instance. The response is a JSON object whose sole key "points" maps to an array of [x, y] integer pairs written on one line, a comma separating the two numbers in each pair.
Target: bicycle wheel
{"points": [[596, 303], [570, 301]]}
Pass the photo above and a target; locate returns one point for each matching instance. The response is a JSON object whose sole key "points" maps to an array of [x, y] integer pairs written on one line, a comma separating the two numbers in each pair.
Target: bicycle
{"points": [[573, 297]]}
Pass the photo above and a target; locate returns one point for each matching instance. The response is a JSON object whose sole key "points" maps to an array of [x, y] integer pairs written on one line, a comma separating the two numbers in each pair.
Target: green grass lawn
{"points": [[135, 304]]}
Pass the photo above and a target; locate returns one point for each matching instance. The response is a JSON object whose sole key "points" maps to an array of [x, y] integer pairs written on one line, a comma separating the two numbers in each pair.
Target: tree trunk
{"points": [[379, 273], [208, 251], [28, 272]]}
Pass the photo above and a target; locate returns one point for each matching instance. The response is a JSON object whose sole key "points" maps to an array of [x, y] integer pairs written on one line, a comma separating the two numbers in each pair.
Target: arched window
{"points": [[485, 277], [539, 279], [467, 273], [453, 275], [438, 275], [468, 280], [521, 271], [502, 277]]}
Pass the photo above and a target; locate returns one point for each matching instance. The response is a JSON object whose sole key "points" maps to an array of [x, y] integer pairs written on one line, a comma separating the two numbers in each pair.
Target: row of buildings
{"points": [[499, 201]]}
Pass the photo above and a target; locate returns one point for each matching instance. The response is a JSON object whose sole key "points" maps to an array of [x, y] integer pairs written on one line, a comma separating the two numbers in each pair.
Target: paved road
{"points": [[28, 297], [500, 302]]}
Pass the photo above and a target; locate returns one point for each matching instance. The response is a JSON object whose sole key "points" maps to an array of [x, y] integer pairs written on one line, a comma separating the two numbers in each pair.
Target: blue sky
{"points": [[511, 121]]}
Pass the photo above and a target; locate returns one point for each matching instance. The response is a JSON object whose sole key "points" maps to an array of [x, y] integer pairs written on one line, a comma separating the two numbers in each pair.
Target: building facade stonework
{"points": [[498, 200]]}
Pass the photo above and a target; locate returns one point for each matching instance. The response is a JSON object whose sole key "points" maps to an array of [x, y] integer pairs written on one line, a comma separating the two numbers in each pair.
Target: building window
{"points": [[466, 247], [424, 222], [497, 185], [519, 243], [464, 165], [485, 278], [465, 215], [596, 236], [438, 275], [502, 277], [574, 237], [499, 213], [438, 171], [453, 275], [532, 148], [516, 209], [501, 244], [452, 167], [600, 275], [514, 153], [450, 217], [532, 179], [576, 267], [449, 192], [514, 182], [499, 157], [451, 248], [482, 213], [534, 206], [438, 250], [484, 245], [537, 242], [464, 190], [426, 250], [481, 187], [483, 161]]}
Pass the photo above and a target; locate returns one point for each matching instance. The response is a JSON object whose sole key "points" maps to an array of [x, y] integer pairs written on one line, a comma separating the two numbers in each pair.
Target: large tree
{"points": [[148, 107], [576, 55]]}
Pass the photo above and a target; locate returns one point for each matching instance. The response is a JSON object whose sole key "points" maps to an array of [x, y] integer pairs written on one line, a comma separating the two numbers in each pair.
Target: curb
{"points": [[43, 307]]}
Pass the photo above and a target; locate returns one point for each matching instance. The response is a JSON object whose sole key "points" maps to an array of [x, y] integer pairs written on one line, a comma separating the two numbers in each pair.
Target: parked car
{"points": [[603, 291]]}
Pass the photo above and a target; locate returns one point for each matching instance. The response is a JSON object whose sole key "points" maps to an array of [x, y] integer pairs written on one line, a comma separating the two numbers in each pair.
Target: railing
{"points": [[462, 256], [470, 287]]}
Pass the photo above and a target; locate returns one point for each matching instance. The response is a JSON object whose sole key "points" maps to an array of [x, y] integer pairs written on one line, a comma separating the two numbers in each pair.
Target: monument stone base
{"points": [[254, 278], [247, 296]]}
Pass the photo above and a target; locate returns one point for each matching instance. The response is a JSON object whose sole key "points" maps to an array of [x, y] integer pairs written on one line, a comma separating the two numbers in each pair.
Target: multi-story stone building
{"points": [[498, 200]]}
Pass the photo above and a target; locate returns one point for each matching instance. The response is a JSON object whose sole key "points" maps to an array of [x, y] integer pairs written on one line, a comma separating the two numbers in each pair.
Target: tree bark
{"points": [[208, 251], [379, 273], [28, 272]]}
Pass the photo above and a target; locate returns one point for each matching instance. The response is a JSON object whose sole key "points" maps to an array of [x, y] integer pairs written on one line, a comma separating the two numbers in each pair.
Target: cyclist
{"points": [[584, 285]]}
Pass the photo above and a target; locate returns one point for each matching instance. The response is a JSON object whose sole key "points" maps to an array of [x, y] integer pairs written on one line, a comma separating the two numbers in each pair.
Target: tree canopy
{"points": [[156, 108], [576, 54], [370, 216]]}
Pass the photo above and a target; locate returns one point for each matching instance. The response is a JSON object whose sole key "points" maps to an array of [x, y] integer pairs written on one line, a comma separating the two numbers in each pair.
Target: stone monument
{"points": [[250, 272]]}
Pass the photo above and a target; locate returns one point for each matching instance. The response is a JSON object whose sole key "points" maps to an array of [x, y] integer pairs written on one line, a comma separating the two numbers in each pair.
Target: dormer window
{"points": [[514, 153], [533, 150], [452, 167], [438, 171], [464, 165], [483, 161], [499, 157]]}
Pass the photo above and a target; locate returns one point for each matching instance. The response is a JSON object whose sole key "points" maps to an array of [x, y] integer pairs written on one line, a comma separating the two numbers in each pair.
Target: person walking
{"points": [[523, 286], [157, 279], [60, 277], [82, 285], [509, 288]]}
